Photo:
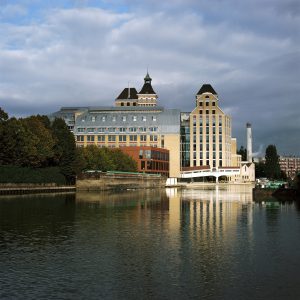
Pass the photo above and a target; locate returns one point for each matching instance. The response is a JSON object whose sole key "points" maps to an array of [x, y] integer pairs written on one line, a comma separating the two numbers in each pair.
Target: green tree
{"points": [[17, 144], [123, 162], [44, 141], [103, 159], [3, 115], [98, 158], [243, 152], [260, 169], [64, 149], [272, 167]]}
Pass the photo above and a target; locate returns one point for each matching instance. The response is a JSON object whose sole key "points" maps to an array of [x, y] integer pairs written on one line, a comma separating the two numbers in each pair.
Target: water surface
{"points": [[152, 244]]}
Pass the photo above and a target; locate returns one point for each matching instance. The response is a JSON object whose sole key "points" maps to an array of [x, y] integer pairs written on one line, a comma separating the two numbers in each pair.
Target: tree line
{"points": [[36, 142], [269, 168]]}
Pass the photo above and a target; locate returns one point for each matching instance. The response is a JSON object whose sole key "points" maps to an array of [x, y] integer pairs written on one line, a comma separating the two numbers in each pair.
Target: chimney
{"points": [[249, 142]]}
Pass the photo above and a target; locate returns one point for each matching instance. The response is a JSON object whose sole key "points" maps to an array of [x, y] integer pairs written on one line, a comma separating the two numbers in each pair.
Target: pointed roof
{"points": [[128, 94], [207, 88], [147, 87]]}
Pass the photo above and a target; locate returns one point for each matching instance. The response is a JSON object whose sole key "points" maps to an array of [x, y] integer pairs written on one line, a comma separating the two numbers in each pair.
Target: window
{"points": [[134, 118], [200, 112], [90, 138], [124, 118], [154, 118], [153, 129], [93, 119], [147, 154], [114, 118], [101, 129], [207, 121], [122, 129], [101, 138], [143, 129], [213, 112], [153, 138], [103, 119], [122, 138], [133, 138], [80, 129], [213, 103], [80, 138], [111, 138], [200, 103], [207, 97], [143, 138], [207, 111], [91, 129], [132, 129], [144, 118], [111, 129], [141, 154]]}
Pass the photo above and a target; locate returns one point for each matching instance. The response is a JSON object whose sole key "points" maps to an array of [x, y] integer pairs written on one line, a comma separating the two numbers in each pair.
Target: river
{"points": [[205, 243]]}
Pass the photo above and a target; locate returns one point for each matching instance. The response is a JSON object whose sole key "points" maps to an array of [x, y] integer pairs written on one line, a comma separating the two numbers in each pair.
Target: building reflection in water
{"points": [[210, 208]]}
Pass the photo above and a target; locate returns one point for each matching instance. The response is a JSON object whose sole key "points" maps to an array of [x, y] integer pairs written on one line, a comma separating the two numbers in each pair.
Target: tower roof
{"points": [[207, 88], [128, 93], [147, 87]]}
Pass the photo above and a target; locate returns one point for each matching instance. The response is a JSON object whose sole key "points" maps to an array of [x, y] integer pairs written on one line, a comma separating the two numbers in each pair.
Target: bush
{"points": [[13, 174]]}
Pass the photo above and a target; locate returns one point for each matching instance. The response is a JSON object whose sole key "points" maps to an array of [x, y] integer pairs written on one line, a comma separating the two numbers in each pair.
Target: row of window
{"points": [[150, 154], [207, 163], [213, 120], [113, 138], [154, 165], [201, 139], [116, 129], [207, 155], [213, 103], [123, 118]]}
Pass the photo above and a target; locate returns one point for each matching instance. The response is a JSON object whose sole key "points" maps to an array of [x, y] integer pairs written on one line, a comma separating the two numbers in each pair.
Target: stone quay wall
{"points": [[117, 181]]}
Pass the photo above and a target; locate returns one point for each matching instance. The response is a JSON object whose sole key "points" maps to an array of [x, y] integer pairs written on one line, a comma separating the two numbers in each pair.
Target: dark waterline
{"points": [[164, 244]]}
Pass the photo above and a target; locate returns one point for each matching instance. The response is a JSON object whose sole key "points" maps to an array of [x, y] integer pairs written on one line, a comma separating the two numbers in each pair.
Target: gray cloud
{"points": [[86, 56]]}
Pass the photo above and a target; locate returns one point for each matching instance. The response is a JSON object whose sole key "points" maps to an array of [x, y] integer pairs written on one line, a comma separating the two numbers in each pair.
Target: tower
{"points": [[249, 142], [147, 96]]}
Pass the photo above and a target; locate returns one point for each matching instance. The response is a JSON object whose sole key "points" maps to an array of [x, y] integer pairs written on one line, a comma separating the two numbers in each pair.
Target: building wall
{"points": [[289, 165], [116, 127], [150, 159], [172, 142], [210, 133]]}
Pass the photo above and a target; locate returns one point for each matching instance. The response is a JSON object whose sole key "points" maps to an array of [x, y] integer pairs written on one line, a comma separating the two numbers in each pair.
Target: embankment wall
{"points": [[102, 182]]}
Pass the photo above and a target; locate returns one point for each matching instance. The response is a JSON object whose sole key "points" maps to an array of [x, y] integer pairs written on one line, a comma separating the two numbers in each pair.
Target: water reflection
{"points": [[154, 244]]}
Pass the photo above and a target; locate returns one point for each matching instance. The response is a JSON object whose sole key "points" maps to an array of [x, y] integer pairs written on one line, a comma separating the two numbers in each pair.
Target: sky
{"points": [[83, 53]]}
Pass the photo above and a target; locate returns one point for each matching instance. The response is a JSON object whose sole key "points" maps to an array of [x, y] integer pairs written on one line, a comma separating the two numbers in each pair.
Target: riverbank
{"points": [[118, 181], [20, 189]]}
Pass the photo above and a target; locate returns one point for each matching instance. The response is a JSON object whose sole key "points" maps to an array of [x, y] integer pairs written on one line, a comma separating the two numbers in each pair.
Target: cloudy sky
{"points": [[81, 53]]}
